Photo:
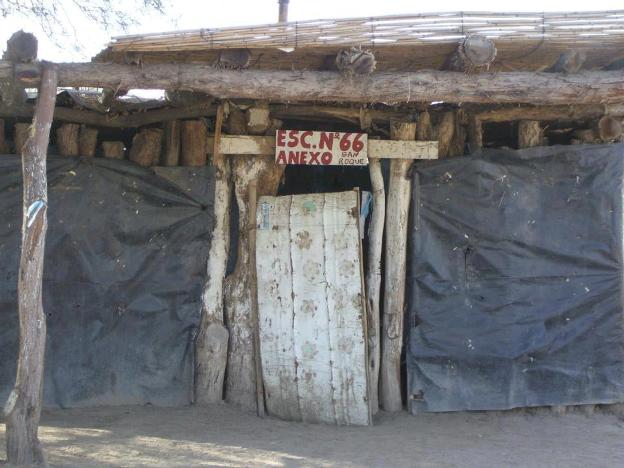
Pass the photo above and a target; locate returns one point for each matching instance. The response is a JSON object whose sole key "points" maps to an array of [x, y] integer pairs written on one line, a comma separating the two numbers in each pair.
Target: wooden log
{"points": [[355, 62], [67, 139], [423, 127], [397, 209], [4, 144], [20, 135], [445, 131], [146, 147], [609, 129], [171, 154], [545, 113], [474, 53], [23, 407], [113, 149], [258, 118], [397, 87], [211, 346], [373, 280], [193, 138], [529, 134], [475, 133], [283, 11], [240, 386], [568, 62], [21, 48], [87, 141]]}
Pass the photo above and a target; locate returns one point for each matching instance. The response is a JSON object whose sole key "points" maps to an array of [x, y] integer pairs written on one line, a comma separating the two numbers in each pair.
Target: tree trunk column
{"points": [[397, 209], [23, 408]]}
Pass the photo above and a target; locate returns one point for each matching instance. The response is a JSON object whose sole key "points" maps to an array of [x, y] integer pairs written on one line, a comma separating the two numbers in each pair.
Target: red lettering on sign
{"points": [[304, 137], [281, 135], [293, 138], [302, 157], [314, 155], [326, 158], [281, 157], [293, 157], [326, 141]]}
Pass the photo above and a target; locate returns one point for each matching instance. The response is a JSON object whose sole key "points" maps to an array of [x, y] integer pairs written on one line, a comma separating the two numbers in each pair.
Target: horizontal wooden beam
{"points": [[391, 87], [546, 113], [377, 149], [97, 119]]}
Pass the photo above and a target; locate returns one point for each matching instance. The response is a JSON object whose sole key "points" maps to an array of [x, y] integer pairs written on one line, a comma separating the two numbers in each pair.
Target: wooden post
{"points": [[283, 11], [87, 141], [373, 279], [475, 133], [253, 280], [194, 135], [529, 134], [4, 146], [113, 149], [240, 386], [20, 135], [146, 147], [67, 139], [23, 408], [171, 155], [445, 131], [211, 346], [397, 209]]}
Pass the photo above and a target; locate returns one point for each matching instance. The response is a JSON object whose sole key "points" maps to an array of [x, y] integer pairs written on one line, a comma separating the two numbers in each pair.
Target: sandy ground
{"points": [[222, 436]]}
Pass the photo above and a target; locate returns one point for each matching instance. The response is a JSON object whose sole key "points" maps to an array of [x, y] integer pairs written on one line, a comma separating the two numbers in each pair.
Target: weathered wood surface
{"points": [[193, 143], [397, 208], [23, 407], [397, 87], [311, 309], [67, 139], [211, 345], [475, 133], [545, 112], [20, 135], [4, 144], [171, 153], [373, 279], [444, 132], [380, 149], [529, 134], [87, 141], [113, 149], [146, 147]]}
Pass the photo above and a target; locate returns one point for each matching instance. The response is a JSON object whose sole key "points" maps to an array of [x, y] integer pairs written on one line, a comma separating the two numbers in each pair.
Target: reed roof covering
{"points": [[524, 40]]}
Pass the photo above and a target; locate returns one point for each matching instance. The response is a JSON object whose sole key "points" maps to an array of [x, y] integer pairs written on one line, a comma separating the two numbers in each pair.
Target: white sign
{"points": [[304, 147]]}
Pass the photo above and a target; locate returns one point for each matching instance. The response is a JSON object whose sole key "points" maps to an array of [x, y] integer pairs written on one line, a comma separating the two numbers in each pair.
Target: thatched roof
{"points": [[529, 41]]}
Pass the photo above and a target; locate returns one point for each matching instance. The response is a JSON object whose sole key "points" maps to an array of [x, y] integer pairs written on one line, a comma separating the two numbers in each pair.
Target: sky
{"points": [[89, 38]]}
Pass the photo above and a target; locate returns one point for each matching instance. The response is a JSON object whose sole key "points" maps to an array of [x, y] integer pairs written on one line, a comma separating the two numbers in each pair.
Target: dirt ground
{"points": [[223, 436]]}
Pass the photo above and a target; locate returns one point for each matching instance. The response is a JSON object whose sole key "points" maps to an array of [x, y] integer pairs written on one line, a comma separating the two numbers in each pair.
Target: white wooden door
{"points": [[311, 308]]}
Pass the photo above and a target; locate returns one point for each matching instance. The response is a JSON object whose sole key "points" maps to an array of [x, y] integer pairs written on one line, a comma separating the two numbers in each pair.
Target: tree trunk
{"points": [[113, 149], [396, 87], [397, 208], [171, 155], [529, 134], [22, 131], [194, 137], [67, 139], [87, 141], [373, 279], [146, 147], [211, 346], [23, 408]]}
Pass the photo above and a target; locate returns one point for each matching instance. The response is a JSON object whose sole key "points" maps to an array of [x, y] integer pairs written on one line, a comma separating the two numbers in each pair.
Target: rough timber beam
{"points": [[426, 86]]}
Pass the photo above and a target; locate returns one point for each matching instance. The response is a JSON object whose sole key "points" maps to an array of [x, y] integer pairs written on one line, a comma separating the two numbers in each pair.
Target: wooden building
{"points": [[417, 86]]}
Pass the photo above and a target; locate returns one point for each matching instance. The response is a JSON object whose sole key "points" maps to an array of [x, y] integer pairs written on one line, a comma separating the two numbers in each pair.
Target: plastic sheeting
{"points": [[516, 280], [125, 262]]}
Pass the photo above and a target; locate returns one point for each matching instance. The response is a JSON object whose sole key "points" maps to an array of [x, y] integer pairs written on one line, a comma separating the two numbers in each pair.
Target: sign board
{"points": [[304, 147]]}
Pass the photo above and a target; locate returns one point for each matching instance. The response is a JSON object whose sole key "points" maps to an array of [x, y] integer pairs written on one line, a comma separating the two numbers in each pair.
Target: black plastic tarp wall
{"points": [[125, 262], [516, 280]]}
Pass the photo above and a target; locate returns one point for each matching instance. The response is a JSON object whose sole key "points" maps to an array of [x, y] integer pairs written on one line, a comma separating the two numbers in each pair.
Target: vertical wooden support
{"points": [[211, 346], [20, 135], [67, 139], [146, 147], [23, 408], [87, 141], [445, 131], [193, 135], [373, 279], [171, 155], [113, 149], [253, 202], [397, 209], [529, 134], [475, 133], [240, 386]]}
